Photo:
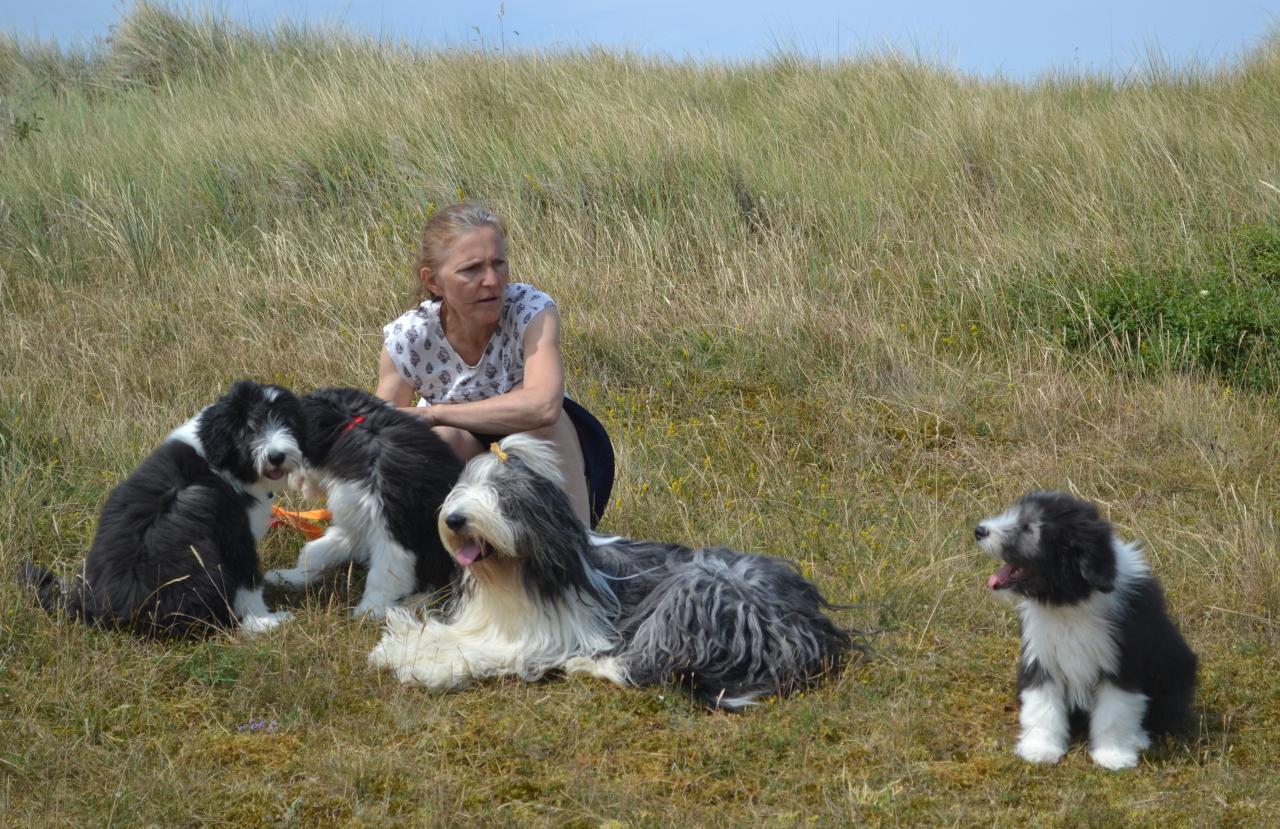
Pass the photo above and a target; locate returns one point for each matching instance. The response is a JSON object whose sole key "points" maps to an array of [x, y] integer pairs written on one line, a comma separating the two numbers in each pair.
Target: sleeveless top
{"points": [[425, 359]]}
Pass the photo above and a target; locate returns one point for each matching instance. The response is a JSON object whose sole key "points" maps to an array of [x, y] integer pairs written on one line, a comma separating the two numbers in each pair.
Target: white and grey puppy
{"points": [[538, 593], [384, 473], [1099, 652], [175, 552]]}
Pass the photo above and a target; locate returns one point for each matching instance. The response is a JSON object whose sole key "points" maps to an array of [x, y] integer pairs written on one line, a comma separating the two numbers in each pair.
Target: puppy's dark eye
{"points": [[1024, 528]]}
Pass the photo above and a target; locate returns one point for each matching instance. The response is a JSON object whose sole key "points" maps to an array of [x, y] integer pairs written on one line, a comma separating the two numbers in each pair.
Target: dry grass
{"points": [[809, 302]]}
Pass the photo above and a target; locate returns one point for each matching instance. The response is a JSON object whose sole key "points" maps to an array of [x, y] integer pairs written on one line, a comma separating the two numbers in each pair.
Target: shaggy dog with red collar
{"points": [[384, 474]]}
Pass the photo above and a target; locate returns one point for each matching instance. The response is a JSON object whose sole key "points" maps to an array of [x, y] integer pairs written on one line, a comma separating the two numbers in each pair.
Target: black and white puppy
{"points": [[175, 552], [1098, 648], [384, 474], [539, 593]]}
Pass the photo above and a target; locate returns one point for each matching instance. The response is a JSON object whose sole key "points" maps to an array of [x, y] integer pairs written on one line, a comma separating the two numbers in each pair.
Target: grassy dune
{"points": [[836, 313]]}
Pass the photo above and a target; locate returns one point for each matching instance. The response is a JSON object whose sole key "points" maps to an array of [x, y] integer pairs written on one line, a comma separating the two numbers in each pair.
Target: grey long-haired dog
{"points": [[538, 592]]}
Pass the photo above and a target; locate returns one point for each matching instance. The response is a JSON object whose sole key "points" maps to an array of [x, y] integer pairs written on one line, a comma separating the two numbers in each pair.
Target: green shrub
{"points": [[1225, 319]]}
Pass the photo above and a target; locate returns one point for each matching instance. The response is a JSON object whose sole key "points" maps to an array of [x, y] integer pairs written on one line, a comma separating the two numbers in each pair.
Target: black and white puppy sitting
{"points": [[175, 552], [384, 474], [1098, 648]]}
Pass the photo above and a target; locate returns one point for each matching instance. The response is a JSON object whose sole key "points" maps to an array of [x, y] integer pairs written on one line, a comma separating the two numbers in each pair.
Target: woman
{"points": [[483, 355]]}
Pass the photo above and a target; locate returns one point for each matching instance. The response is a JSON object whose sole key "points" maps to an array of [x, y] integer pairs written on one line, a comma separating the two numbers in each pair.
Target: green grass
{"points": [[824, 311], [1223, 318]]}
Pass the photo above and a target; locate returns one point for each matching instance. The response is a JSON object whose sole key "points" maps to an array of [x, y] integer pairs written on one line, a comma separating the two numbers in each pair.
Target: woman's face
{"points": [[472, 277]]}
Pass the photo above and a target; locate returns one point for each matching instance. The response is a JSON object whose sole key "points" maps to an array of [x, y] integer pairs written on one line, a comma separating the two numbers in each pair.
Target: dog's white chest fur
{"points": [[260, 517], [1074, 644], [259, 511]]}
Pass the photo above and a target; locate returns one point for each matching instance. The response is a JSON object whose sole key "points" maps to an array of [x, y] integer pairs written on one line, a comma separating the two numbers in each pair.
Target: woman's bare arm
{"points": [[391, 386], [534, 404]]}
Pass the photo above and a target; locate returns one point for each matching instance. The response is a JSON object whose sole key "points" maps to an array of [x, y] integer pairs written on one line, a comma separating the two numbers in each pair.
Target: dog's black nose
{"points": [[275, 458], [455, 521], [980, 532]]}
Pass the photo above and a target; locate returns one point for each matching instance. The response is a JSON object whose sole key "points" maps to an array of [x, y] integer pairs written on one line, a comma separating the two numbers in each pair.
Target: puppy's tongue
{"points": [[275, 474], [1002, 577], [467, 554]]}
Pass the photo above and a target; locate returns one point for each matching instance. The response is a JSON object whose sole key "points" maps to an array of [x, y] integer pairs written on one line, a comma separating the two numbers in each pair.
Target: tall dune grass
{"points": [[817, 307]]}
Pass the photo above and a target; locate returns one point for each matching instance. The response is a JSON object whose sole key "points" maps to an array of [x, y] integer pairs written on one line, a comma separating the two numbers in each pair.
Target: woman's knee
{"points": [[462, 442], [563, 435]]}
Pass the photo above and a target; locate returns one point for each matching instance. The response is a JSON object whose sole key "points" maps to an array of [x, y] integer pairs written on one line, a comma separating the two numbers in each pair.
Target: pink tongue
{"points": [[1000, 578], [467, 554], [275, 474]]}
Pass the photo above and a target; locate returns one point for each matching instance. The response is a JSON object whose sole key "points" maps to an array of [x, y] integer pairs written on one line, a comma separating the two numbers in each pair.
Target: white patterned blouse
{"points": [[425, 359]]}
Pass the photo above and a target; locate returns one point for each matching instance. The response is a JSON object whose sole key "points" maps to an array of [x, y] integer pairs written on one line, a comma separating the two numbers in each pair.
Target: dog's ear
{"points": [[1098, 561], [1087, 541], [217, 432], [222, 423], [243, 394]]}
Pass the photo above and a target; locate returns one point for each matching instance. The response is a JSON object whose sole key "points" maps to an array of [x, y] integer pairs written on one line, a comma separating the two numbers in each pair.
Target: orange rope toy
{"points": [[304, 522]]}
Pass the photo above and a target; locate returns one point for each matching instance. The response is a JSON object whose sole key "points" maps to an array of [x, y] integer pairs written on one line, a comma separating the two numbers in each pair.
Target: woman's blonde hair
{"points": [[441, 231]]}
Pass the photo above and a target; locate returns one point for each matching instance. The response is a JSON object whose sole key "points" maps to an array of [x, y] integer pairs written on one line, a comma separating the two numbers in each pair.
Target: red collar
{"points": [[354, 421]]}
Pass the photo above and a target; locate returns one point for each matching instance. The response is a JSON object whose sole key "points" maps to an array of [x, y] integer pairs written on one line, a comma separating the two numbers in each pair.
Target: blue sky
{"points": [[1015, 39]]}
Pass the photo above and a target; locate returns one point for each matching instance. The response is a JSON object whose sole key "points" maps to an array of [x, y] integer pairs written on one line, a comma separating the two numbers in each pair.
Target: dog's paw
{"points": [[300, 481], [380, 656], [1037, 749], [253, 625], [607, 668], [579, 665], [375, 610], [291, 579], [1114, 757], [441, 676]]}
